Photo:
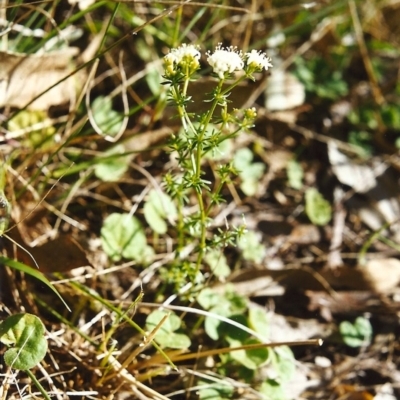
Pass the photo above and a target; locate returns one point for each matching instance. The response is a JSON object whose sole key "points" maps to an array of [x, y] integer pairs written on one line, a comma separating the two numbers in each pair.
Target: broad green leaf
{"points": [[284, 363], [34, 138], [156, 209], [317, 208], [172, 323], [218, 264], [231, 332], [357, 334], [207, 298], [32, 272], [215, 391], [249, 186], [251, 359], [295, 174], [122, 235], [249, 172], [252, 249], [173, 340], [258, 321], [166, 335], [243, 157], [25, 333], [154, 79], [211, 325], [272, 389], [226, 305], [114, 165], [108, 120]]}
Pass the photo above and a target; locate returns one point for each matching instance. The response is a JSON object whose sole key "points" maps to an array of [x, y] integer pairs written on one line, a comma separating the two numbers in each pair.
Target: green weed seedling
{"points": [[356, 334], [23, 335], [122, 235], [249, 172], [251, 356], [202, 137], [318, 210], [167, 335]]}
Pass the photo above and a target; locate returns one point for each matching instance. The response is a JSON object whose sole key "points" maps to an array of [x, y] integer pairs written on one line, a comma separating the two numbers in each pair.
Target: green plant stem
{"points": [[197, 172], [37, 384]]}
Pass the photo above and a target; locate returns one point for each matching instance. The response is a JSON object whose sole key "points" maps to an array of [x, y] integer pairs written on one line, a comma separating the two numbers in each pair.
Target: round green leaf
{"points": [[258, 321], [166, 335], [114, 165], [108, 120], [317, 208], [156, 209], [25, 332], [218, 263], [122, 235]]}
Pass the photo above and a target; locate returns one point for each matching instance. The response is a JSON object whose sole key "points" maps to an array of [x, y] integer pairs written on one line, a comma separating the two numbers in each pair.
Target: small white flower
{"points": [[258, 60], [225, 60], [83, 4], [184, 52]]}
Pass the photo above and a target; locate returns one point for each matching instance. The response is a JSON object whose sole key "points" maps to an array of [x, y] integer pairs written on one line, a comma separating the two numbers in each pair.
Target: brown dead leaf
{"points": [[378, 275], [25, 76], [305, 234], [346, 302], [58, 255]]}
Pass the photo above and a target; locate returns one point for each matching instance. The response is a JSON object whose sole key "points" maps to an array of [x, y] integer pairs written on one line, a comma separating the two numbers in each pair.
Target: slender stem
{"points": [[37, 384], [199, 154]]}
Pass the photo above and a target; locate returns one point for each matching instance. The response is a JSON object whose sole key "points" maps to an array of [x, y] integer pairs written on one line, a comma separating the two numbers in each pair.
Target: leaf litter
{"points": [[313, 273]]}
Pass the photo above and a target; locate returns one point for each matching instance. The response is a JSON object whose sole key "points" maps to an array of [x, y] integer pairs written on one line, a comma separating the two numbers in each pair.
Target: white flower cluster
{"points": [[82, 4], [227, 60], [224, 61], [258, 60], [184, 52]]}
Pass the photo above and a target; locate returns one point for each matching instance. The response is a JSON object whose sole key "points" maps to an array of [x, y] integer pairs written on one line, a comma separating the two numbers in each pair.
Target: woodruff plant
{"points": [[202, 134]]}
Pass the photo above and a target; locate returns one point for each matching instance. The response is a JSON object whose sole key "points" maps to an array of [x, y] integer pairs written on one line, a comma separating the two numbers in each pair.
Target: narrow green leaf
{"points": [[34, 273]]}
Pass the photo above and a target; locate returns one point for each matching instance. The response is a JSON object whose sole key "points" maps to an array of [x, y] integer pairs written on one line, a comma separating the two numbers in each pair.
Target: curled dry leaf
{"points": [[25, 76], [380, 275]]}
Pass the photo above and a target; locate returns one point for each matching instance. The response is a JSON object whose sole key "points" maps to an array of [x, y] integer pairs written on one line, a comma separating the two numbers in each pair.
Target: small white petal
{"points": [[185, 51], [258, 59], [225, 60]]}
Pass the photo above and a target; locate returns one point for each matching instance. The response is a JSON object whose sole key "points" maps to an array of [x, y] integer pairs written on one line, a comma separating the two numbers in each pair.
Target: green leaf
{"points": [[251, 359], [25, 333], [249, 172], [284, 363], [218, 264], [211, 325], [166, 335], [225, 305], [215, 391], [108, 120], [114, 165], [252, 249], [207, 298], [258, 321], [357, 334], [317, 208], [234, 333], [272, 389], [295, 174], [156, 209], [122, 235], [243, 158], [32, 272]]}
